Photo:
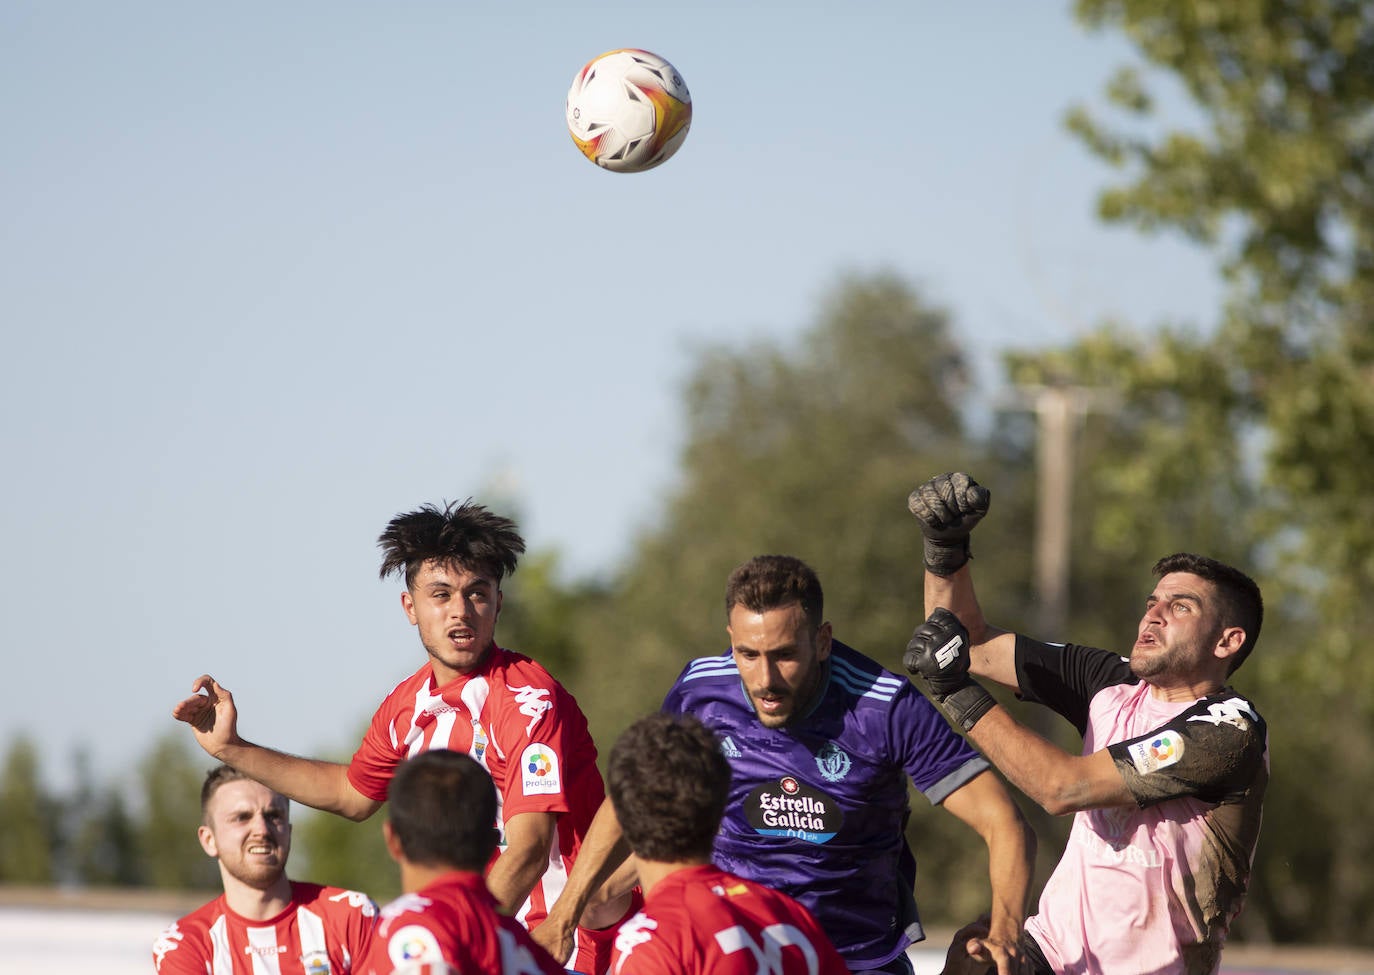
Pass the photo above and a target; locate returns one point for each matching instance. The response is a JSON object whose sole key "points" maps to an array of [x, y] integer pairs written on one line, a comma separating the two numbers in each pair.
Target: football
{"points": [[628, 110]]}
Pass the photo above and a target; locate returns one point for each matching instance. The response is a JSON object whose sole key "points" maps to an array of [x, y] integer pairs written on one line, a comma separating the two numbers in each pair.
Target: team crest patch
{"points": [[834, 763], [539, 771], [413, 943], [479, 742], [316, 963], [1160, 751]]}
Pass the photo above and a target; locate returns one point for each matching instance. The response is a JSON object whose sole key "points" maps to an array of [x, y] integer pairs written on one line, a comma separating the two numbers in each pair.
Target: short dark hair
{"points": [[465, 534], [770, 581], [668, 783], [1239, 602], [216, 777], [442, 808]]}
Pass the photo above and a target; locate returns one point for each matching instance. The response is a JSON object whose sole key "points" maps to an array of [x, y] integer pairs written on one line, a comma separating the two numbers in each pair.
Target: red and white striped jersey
{"points": [[518, 723], [324, 931]]}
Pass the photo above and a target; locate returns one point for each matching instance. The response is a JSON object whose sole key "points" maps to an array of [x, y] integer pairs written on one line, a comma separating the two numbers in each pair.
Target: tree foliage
{"points": [[28, 837], [1256, 443]]}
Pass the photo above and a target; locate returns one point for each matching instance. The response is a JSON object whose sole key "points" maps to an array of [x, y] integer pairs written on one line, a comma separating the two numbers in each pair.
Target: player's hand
{"points": [[974, 951], [1005, 957], [211, 714], [948, 506], [966, 954], [938, 651], [555, 937], [938, 654]]}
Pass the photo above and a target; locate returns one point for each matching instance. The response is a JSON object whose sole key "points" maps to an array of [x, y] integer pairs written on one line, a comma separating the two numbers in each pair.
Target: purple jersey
{"points": [[818, 809]]}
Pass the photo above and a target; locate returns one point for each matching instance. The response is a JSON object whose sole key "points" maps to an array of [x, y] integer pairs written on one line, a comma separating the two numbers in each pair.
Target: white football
{"points": [[628, 110]]}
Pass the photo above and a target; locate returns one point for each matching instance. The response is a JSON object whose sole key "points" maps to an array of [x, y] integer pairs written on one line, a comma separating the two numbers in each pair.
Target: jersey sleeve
{"points": [[1212, 751], [539, 737], [1064, 676], [178, 951], [377, 756], [937, 760]]}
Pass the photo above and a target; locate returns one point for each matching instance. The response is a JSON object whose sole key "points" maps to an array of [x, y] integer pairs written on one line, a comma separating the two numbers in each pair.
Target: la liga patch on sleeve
{"points": [[539, 771], [1157, 752]]}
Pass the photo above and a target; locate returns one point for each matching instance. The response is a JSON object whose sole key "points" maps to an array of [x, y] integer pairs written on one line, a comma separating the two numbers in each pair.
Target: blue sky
{"points": [[272, 273]]}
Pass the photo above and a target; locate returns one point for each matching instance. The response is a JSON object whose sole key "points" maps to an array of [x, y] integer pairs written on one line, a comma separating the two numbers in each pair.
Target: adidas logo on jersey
{"points": [[728, 748]]}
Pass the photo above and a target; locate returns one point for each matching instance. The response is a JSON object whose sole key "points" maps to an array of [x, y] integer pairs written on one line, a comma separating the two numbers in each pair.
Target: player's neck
{"points": [[653, 872], [1185, 689], [257, 904], [418, 876]]}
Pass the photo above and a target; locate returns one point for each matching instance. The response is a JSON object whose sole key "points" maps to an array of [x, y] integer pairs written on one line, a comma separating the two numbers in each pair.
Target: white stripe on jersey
{"points": [[865, 683], [263, 951], [311, 928], [711, 667], [223, 955]]}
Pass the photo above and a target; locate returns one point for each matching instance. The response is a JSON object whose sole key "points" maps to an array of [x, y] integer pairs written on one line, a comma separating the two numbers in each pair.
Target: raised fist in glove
{"points": [[939, 652], [948, 506]]}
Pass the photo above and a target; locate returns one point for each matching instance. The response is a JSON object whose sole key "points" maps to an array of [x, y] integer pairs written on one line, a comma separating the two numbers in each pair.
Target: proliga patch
{"points": [[1157, 752], [539, 771]]}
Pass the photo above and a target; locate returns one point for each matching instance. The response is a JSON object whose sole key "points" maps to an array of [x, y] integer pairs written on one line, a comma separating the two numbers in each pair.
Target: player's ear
{"points": [[393, 843], [207, 841], [1230, 641], [824, 635], [408, 604]]}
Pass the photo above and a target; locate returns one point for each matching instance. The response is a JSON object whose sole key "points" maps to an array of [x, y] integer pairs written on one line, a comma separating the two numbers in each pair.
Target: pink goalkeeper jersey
{"points": [[521, 725], [1154, 887], [324, 931]]}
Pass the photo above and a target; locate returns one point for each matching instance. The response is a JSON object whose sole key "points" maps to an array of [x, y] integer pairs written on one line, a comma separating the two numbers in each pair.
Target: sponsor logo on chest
{"points": [[790, 808]]}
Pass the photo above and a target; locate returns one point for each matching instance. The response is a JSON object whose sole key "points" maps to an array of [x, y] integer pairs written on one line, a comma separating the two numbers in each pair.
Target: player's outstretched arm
{"points": [[1058, 782], [213, 718], [984, 804], [603, 850], [947, 507]]}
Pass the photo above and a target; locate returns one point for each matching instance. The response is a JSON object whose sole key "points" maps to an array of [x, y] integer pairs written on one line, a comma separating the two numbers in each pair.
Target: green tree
{"points": [[29, 819], [170, 777], [1256, 442], [102, 845]]}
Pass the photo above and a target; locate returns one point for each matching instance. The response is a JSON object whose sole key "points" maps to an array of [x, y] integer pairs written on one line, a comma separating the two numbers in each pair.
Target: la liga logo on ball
{"points": [[628, 110]]}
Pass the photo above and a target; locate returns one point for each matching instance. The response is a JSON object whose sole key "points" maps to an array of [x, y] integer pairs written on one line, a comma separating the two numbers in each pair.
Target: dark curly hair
{"points": [[465, 534], [668, 783]]}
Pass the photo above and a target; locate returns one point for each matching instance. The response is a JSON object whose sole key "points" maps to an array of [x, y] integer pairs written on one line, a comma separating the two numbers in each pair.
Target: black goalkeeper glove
{"points": [[948, 506], [938, 652]]}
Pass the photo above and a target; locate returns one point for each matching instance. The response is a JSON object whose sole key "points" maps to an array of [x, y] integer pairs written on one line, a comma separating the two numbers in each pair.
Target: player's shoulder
{"points": [[705, 672], [406, 909], [187, 939], [1228, 708], [203, 917], [333, 899], [513, 666], [862, 679]]}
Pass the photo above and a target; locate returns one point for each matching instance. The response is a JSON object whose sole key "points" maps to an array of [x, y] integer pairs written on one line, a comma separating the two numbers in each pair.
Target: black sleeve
{"points": [[1212, 751], [1064, 676]]}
